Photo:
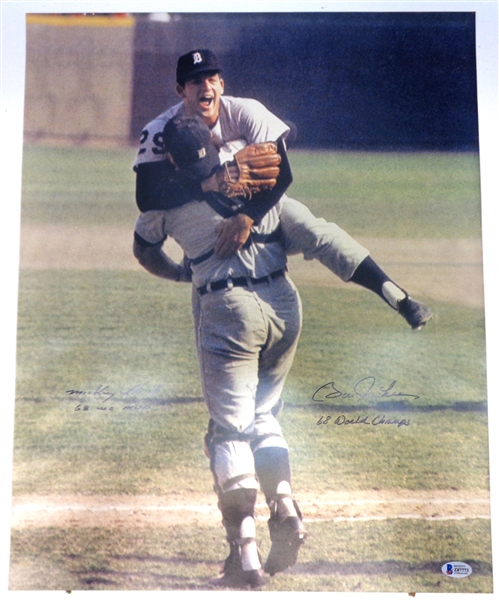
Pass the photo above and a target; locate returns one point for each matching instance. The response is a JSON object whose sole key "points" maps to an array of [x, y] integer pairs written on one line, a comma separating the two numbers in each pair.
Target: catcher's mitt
{"points": [[254, 168]]}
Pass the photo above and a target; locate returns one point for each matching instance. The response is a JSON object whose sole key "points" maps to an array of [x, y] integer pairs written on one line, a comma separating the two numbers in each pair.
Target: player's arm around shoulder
{"points": [[155, 261], [149, 237]]}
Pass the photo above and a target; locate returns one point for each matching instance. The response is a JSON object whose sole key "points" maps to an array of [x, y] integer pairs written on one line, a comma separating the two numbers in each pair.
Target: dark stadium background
{"points": [[375, 81]]}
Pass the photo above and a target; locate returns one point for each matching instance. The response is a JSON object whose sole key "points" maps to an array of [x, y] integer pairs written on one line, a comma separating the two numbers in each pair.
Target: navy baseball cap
{"points": [[189, 141], [196, 62]]}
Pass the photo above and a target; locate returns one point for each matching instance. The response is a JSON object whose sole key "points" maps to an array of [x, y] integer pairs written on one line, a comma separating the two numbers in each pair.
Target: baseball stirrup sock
{"points": [[285, 506], [369, 275], [250, 559]]}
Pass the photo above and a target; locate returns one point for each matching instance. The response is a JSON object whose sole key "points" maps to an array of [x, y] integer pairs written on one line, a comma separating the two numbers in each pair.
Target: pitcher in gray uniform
{"points": [[232, 120]]}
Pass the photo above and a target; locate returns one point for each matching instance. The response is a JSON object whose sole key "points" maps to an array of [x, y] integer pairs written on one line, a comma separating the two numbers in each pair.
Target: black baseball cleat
{"points": [[233, 575], [287, 538], [415, 313]]}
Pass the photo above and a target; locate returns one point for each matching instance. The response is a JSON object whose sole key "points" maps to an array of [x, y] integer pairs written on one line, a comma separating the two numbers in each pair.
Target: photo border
{"points": [[12, 111]]}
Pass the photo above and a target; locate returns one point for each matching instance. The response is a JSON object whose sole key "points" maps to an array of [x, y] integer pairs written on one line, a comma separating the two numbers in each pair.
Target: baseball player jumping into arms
{"points": [[247, 311], [201, 87]]}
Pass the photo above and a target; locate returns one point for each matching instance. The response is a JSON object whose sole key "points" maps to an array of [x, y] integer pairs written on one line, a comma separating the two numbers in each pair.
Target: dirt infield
{"points": [[431, 269], [144, 511]]}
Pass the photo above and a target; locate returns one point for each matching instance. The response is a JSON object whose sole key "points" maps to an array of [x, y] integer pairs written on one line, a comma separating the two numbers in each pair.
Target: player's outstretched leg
{"points": [[324, 241], [369, 275], [286, 528]]}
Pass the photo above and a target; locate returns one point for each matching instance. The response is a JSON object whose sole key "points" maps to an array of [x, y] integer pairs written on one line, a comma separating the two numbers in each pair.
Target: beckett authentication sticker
{"points": [[457, 569]]}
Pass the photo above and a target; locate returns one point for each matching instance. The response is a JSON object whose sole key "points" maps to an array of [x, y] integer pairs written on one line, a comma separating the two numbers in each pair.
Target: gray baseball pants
{"points": [[246, 341]]}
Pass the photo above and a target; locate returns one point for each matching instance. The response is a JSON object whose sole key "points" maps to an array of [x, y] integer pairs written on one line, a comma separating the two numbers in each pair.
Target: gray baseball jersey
{"points": [[240, 118], [193, 226], [248, 121]]}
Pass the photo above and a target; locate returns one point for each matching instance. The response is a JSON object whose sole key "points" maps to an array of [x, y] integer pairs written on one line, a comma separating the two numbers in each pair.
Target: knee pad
{"points": [[236, 505], [233, 466], [231, 459], [217, 434]]}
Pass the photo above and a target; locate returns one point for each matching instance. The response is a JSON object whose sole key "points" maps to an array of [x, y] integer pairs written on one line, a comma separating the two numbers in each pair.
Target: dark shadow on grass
{"points": [[145, 577], [176, 400], [387, 567], [132, 399], [166, 560], [148, 558], [398, 406], [395, 406], [91, 582]]}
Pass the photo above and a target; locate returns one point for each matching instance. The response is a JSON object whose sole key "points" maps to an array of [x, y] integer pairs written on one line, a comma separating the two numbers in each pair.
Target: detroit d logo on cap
{"points": [[197, 58]]}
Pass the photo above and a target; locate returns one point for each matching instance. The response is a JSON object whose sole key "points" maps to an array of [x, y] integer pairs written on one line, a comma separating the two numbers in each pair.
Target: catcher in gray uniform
{"points": [[246, 309], [247, 315]]}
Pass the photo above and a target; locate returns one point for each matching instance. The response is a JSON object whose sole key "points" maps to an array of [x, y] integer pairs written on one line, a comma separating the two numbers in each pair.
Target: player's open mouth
{"points": [[205, 101]]}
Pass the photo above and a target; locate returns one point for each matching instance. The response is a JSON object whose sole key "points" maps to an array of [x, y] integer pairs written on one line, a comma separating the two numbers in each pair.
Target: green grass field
{"points": [[379, 194], [109, 402]]}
